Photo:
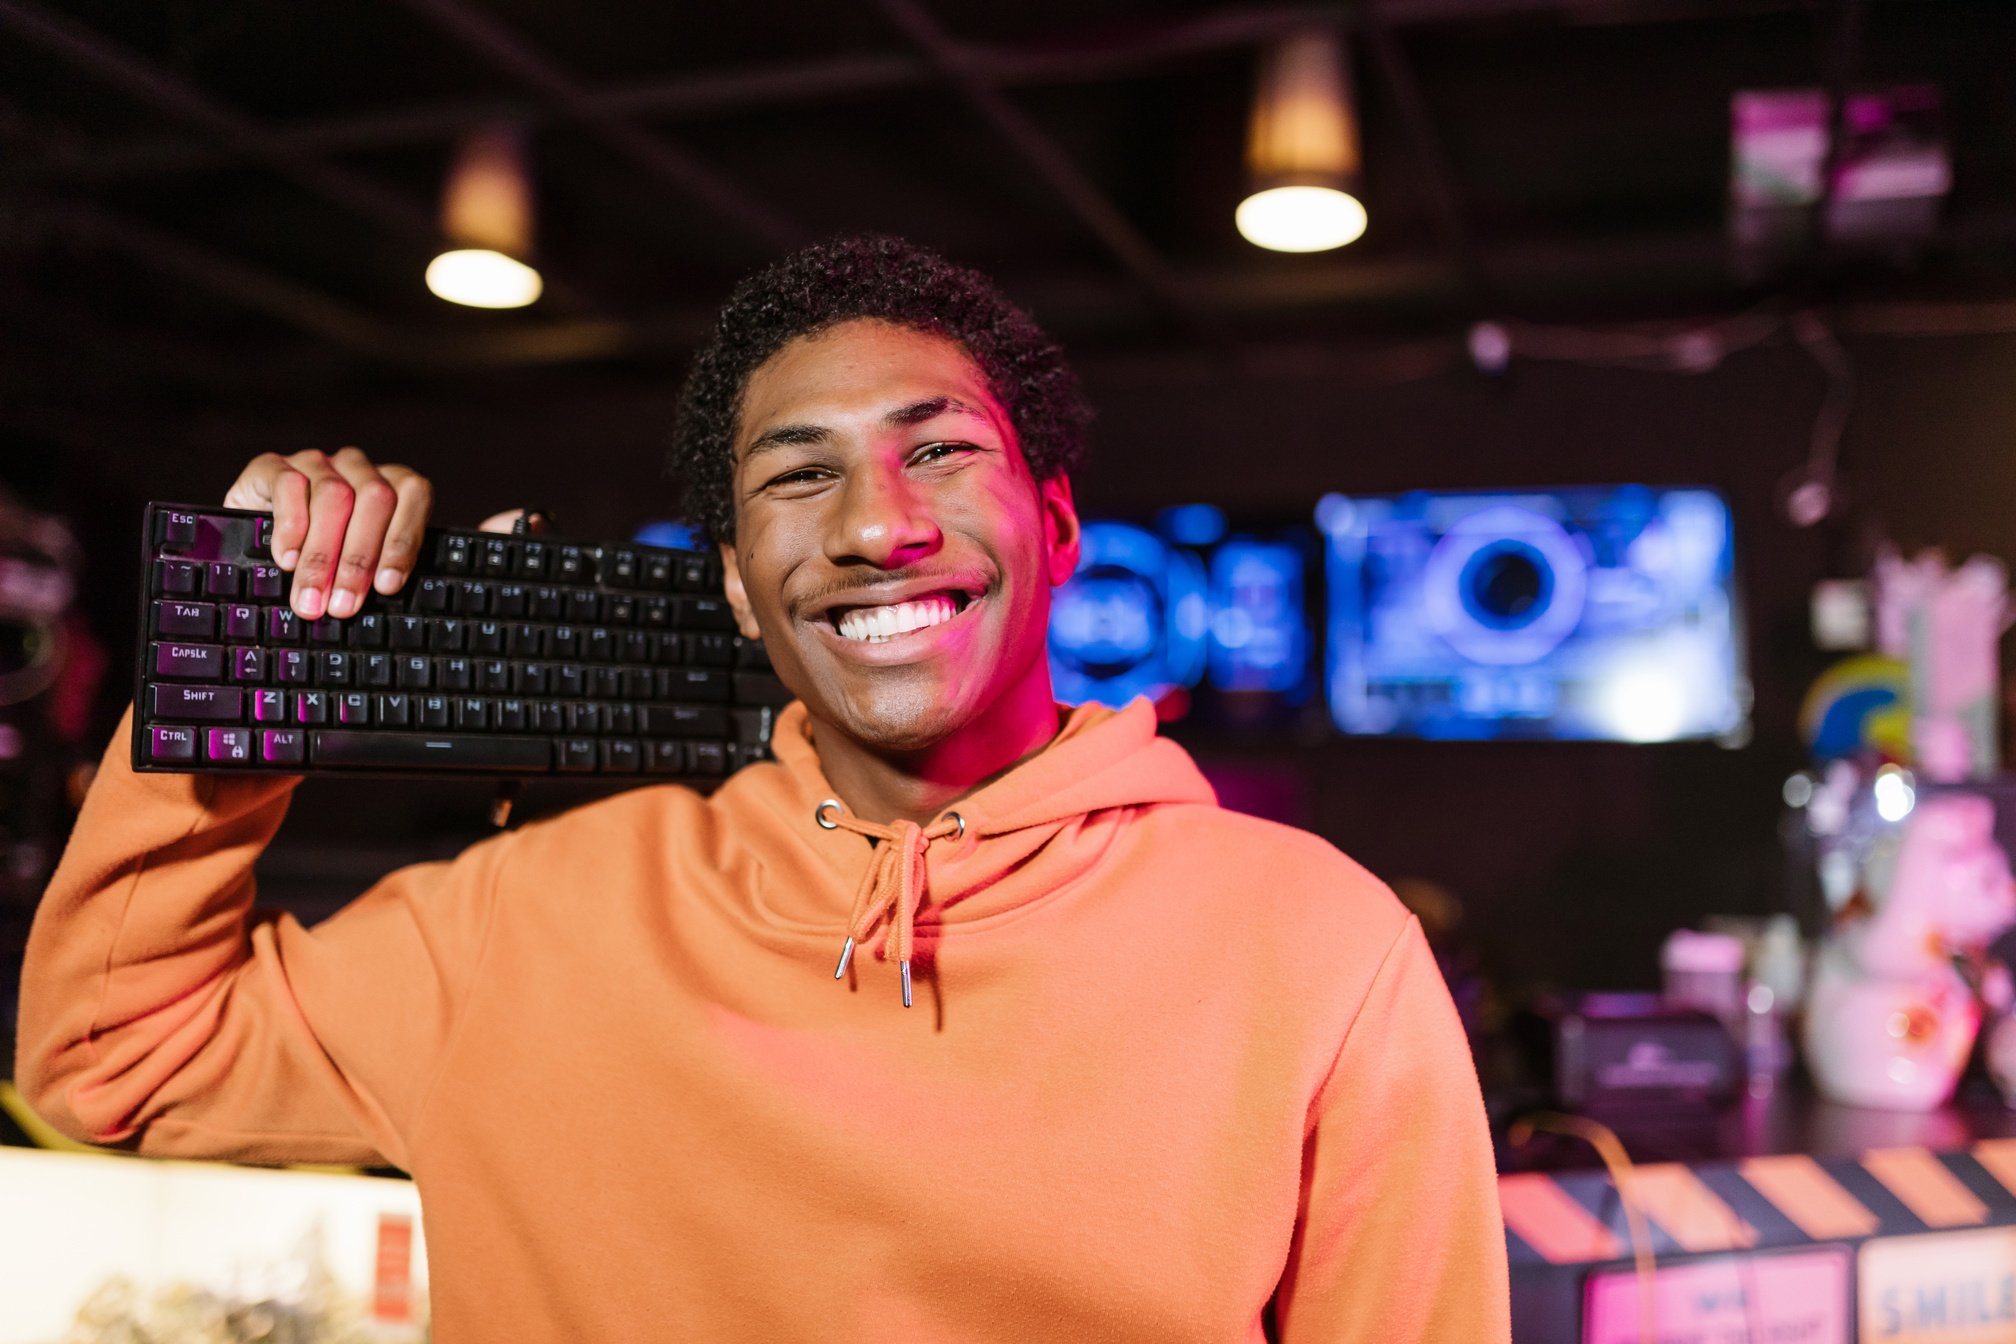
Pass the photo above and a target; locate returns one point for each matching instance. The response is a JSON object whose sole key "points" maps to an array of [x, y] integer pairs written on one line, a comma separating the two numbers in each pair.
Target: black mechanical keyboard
{"points": [[507, 655]]}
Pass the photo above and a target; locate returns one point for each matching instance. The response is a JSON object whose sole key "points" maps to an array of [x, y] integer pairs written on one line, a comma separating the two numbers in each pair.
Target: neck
{"points": [[918, 785]]}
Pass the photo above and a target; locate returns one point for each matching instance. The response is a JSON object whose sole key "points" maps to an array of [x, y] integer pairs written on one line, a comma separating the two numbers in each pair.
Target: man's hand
{"points": [[341, 523]]}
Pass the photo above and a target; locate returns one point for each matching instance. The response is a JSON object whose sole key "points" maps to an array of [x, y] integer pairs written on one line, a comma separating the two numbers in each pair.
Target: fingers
{"points": [[535, 522], [372, 501], [409, 522], [330, 499]]}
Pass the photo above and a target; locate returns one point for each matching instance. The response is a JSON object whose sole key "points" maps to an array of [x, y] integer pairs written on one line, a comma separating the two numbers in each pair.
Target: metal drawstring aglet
{"points": [[906, 984], [846, 955]]}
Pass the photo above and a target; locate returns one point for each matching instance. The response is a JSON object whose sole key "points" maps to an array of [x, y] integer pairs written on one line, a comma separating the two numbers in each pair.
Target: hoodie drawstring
{"points": [[895, 877]]}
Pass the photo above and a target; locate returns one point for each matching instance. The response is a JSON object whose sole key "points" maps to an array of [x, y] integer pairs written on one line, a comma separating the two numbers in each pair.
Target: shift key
{"points": [[210, 704], [195, 662]]}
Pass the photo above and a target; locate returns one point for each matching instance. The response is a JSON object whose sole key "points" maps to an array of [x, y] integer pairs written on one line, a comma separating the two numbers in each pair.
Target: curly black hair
{"points": [[873, 276]]}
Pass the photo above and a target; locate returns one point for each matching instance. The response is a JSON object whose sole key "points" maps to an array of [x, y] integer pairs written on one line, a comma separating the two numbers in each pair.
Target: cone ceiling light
{"points": [[1302, 149], [486, 211]]}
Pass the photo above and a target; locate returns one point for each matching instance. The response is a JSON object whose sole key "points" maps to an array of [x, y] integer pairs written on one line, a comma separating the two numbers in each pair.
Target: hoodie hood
{"points": [[1036, 831]]}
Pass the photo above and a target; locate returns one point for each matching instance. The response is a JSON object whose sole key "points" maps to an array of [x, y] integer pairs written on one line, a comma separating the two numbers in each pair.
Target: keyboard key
{"points": [[353, 709], [600, 644], [375, 670], [546, 604], [493, 557], [191, 620], [171, 744], [617, 719], [282, 626], [213, 704], [750, 653], [230, 746], [576, 753], [531, 678], [548, 716], [713, 650], [175, 578], [605, 683], [269, 706], [620, 610], [656, 613], [619, 568], [707, 758], [487, 637], [454, 554], [332, 669], [434, 596], [636, 683], [526, 641], [325, 631], [569, 680], [220, 579], [434, 711], [668, 648], [447, 636], [571, 565], [395, 711], [702, 613], [682, 721], [241, 621], [409, 632], [563, 641], [192, 662], [172, 528], [472, 713], [368, 631], [392, 751], [415, 674], [510, 600], [248, 664], [511, 716], [292, 668], [283, 746], [665, 758], [311, 707], [621, 755], [584, 606], [693, 575], [493, 674], [582, 717], [658, 568], [634, 647], [268, 581], [761, 688], [454, 674], [699, 683], [262, 535], [532, 560], [473, 598]]}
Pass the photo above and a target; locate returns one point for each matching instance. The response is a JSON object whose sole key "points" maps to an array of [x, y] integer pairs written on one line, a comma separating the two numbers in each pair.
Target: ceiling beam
{"points": [[1072, 58], [508, 52], [156, 88], [1036, 149]]}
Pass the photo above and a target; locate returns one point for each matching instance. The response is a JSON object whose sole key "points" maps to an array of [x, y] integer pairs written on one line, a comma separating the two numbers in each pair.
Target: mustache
{"points": [[868, 587]]}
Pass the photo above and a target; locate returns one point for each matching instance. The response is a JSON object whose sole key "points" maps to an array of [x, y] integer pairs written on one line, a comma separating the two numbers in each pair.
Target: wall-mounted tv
{"points": [[1605, 613]]}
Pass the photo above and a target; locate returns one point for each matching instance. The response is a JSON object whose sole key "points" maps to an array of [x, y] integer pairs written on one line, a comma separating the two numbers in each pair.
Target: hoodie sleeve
{"points": [[161, 1013], [1399, 1237]]}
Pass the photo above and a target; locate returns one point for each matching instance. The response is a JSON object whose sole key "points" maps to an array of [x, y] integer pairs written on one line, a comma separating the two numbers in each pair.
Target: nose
{"points": [[882, 520]]}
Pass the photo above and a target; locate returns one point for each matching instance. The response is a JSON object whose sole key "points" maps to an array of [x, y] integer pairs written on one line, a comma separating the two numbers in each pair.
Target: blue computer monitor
{"points": [[1605, 613]]}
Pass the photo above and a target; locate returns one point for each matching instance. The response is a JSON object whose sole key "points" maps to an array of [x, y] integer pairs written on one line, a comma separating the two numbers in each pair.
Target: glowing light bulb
{"points": [[480, 278], [1895, 795], [1300, 218]]}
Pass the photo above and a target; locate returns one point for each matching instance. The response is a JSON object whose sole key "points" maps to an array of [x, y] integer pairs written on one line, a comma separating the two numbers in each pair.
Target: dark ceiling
{"points": [[237, 197]]}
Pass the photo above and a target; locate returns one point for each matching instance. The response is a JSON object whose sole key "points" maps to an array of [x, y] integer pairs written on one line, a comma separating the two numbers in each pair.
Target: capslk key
{"points": [[196, 662]]}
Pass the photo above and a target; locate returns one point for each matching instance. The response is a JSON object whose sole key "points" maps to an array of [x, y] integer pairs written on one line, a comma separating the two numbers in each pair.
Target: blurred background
{"points": [[1758, 252]]}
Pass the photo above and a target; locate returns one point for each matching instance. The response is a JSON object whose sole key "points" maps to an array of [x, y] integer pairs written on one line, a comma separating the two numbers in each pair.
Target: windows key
{"points": [[230, 746]]}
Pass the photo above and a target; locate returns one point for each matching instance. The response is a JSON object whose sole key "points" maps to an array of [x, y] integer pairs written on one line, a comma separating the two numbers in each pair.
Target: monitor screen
{"points": [[1603, 613], [1188, 612]]}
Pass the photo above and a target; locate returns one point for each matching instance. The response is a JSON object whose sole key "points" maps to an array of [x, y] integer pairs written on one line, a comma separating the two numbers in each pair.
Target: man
{"points": [[1171, 1073]]}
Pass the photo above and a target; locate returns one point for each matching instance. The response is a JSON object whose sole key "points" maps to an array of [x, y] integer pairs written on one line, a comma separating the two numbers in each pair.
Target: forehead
{"points": [[855, 373]]}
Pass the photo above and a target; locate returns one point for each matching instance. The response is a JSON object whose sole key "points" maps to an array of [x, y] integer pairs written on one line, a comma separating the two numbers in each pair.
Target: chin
{"points": [[898, 720]]}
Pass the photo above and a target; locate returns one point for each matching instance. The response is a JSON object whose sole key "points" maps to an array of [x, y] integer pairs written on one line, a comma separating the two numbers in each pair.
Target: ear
{"points": [[1060, 527], [738, 595]]}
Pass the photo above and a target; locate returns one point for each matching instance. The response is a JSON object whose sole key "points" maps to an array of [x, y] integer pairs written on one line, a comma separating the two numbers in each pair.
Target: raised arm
{"points": [[158, 1010], [1399, 1238]]}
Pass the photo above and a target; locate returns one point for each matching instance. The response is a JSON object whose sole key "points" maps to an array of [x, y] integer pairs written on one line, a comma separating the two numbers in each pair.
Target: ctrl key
{"points": [[283, 746], [171, 744]]}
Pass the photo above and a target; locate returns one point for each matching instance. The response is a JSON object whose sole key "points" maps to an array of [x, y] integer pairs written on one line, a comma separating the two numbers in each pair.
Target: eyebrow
{"points": [[916, 413]]}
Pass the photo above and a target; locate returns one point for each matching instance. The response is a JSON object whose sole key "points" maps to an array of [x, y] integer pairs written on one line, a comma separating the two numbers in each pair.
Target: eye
{"points": [[801, 476], [940, 452]]}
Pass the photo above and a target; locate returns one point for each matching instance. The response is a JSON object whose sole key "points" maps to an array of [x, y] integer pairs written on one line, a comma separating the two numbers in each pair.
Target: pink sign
{"points": [[1726, 1299]]}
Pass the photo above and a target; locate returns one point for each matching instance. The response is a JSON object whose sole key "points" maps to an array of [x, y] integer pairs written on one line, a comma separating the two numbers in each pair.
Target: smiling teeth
{"points": [[875, 624]]}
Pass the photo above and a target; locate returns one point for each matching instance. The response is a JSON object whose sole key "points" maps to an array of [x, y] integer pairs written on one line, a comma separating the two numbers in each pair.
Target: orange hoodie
{"points": [[1167, 1063]]}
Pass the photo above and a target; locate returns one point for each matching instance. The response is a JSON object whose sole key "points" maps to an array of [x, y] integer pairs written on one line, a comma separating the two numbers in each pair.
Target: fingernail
{"points": [[287, 560], [309, 603], [388, 581], [342, 602]]}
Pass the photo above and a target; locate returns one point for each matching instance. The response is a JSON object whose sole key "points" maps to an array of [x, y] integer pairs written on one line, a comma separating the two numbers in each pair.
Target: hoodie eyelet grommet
{"points": [[819, 814]]}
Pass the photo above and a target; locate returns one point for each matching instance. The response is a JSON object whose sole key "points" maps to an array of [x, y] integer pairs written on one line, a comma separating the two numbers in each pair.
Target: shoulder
{"points": [[1297, 875]]}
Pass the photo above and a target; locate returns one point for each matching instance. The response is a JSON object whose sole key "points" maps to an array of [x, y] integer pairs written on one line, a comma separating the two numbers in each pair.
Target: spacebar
{"points": [[424, 751]]}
